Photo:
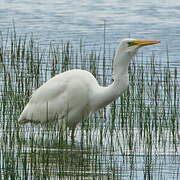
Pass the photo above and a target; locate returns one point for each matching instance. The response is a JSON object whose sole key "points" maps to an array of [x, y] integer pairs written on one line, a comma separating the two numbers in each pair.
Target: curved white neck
{"points": [[105, 95], [121, 63]]}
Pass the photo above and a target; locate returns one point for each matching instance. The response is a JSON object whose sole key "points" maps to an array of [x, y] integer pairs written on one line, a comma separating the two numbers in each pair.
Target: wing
{"points": [[65, 95], [47, 103]]}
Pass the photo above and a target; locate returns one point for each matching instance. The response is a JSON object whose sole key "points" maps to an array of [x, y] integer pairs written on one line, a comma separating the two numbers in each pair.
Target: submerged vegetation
{"points": [[131, 138]]}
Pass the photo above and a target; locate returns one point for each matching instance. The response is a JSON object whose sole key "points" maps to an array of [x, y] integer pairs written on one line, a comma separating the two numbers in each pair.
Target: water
{"points": [[106, 148], [74, 20]]}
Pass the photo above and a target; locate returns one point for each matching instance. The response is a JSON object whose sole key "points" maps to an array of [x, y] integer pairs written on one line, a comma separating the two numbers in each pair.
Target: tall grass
{"points": [[142, 123]]}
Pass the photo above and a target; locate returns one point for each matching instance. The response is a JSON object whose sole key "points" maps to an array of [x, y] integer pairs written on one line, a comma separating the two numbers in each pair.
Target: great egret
{"points": [[72, 95]]}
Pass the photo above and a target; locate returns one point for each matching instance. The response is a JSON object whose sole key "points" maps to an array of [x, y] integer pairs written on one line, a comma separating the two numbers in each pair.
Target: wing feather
{"points": [[47, 102]]}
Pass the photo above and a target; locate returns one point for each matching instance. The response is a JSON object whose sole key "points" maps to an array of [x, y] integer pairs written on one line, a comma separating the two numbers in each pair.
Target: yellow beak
{"points": [[145, 42]]}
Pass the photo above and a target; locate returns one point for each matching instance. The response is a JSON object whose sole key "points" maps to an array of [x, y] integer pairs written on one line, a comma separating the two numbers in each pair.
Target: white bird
{"points": [[70, 96]]}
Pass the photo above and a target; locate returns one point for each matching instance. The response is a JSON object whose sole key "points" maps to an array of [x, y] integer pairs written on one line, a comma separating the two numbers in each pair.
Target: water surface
{"points": [[141, 141], [74, 20]]}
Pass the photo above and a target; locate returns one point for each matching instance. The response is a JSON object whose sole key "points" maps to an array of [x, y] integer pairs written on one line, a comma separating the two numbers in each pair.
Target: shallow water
{"points": [[41, 155], [139, 142], [74, 20]]}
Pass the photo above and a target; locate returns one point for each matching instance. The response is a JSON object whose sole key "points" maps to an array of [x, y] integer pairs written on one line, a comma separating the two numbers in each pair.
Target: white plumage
{"points": [[71, 96], [66, 95]]}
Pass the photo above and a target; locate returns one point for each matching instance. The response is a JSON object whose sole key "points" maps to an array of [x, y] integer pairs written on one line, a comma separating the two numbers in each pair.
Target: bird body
{"points": [[70, 96], [64, 95]]}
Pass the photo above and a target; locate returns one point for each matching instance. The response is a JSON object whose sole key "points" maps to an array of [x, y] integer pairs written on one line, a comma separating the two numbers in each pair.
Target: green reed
{"points": [[144, 120]]}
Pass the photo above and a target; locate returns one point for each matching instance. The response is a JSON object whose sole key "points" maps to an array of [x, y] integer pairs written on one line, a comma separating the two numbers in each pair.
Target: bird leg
{"points": [[72, 135]]}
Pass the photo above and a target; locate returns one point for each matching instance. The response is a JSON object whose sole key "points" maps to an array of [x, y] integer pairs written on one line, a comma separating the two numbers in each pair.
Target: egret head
{"points": [[131, 46]]}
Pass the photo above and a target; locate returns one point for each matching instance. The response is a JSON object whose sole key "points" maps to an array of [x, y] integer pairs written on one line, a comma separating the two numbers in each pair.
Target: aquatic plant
{"points": [[141, 125]]}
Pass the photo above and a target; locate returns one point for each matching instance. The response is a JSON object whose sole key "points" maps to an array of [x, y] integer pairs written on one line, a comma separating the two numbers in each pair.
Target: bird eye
{"points": [[131, 43]]}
